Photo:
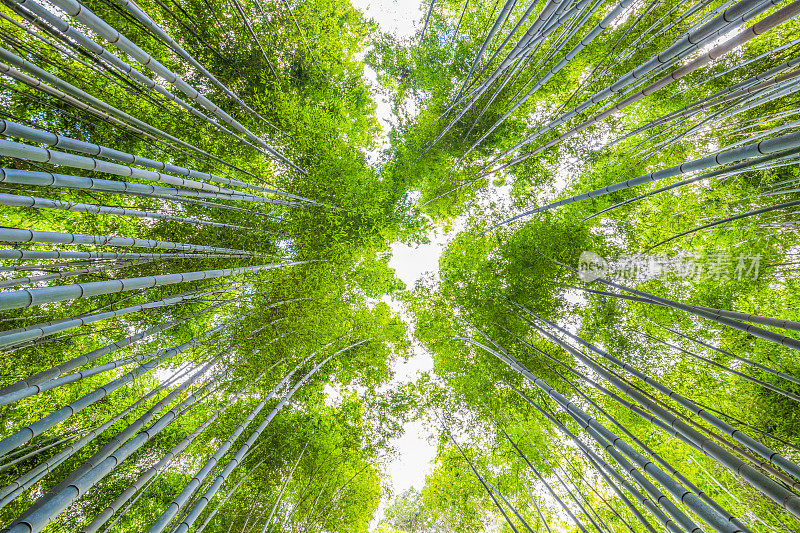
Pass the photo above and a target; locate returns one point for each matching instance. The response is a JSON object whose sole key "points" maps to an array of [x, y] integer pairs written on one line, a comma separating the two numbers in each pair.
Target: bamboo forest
{"points": [[400, 266]]}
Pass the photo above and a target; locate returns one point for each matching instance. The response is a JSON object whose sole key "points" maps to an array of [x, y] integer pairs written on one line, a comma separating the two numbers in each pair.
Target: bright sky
{"points": [[399, 18], [415, 447]]}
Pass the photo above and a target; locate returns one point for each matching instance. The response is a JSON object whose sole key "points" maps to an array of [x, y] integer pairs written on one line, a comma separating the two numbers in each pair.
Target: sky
{"points": [[398, 17], [415, 448]]}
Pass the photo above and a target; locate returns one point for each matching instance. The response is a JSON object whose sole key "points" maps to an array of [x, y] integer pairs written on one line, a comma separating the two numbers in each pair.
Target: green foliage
{"points": [[461, 158]]}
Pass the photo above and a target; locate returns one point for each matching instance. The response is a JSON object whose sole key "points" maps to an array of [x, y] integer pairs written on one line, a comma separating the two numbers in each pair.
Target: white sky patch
{"points": [[163, 374], [411, 262], [384, 107], [383, 112], [409, 109], [495, 199], [416, 447], [417, 453], [400, 18], [623, 17]]}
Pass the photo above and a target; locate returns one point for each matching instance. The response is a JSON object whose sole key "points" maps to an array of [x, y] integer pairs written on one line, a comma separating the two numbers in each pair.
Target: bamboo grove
{"points": [[615, 329], [195, 251], [181, 213]]}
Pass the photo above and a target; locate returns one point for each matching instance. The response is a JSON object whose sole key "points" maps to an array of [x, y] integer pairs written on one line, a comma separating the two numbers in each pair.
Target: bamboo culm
{"points": [[164, 462], [725, 22], [67, 32], [31, 255], [83, 99], [145, 19], [164, 519], [85, 16], [14, 200], [42, 330], [53, 24], [34, 297], [28, 133], [610, 441], [485, 486], [644, 500], [30, 280], [29, 432], [761, 148], [758, 28], [771, 489], [27, 480], [45, 155], [130, 430], [283, 489], [59, 502], [52, 237]]}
